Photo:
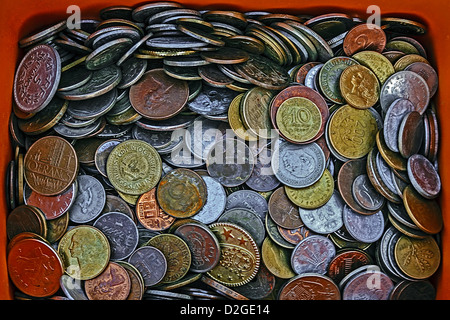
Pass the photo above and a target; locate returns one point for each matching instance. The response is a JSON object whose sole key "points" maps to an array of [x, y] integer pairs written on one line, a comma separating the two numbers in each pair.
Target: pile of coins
{"points": [[163, 152]]}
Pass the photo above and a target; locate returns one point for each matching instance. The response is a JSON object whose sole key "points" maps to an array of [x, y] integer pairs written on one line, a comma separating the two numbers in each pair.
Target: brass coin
{"points": [[417, 258], [235, 121], [85, 252], [299, 119], [407, 60], [134, 167], [277, 259], [238, 249], [359, 87], [375, 61], [393, 159], [255, 111], [352, 131], [51, 165], [181, 193], [225, 56]]}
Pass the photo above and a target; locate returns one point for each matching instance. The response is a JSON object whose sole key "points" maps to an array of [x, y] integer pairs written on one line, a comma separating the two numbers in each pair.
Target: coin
{"points": [[366, 195], [393, 159], [368, 37], [151, 264], [250, 200], [212, 101], [51, 166], [90, 200], [31, 94], [346, 261], [283, 212], [223, 289], [177, 254], [359, 87], [149, 213], [262, 178], [181, 193], [424, 177], [43, 34], [309, 286], [312, 255], [85, 252], [235, 120], [226, 55], [134, 167], [361, 286], [363, 228], [392, 120], [246, 219], [254, 110], [417, 290], [427, 72], [137, 281], [72, 288], [237, 249], [411, 134], [276, 259], [35, 268], [113, 283]]}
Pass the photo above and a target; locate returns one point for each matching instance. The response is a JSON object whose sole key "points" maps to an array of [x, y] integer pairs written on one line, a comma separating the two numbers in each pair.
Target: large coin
{"points": [[37, 78], [310, 287], [151, 264], [113, 283], [134, 167], [51, 165], [359, 87], [313, 254], [362, 227]]}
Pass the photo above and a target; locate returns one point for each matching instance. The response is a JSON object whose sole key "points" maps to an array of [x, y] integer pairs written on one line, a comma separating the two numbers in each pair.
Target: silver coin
{"points": [[215, 202], [202, 134], [74, 77], [382, 250], [405, 85], [92, 108], [325, 219], [122, 105], [177, 42], [70, 121], [366, 195], [385, 173], [250, 200], [248, 220], [391, 255], [102, 153], [122, 32], [78, 133], [298, 166], [312, 254], [392, 119], [363, 228], [132, 70], [310, 81], [274, 233], [371, 284], [230, 161], [212, 100], [90, 200], [157, 139], [151, 263], [113, 132], [423, 176], [72, 288], [179, 122], [108, 53], [181, 156], [263, 178]]}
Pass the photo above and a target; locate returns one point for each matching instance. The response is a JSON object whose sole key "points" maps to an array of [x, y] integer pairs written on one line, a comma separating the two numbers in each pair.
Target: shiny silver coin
{"points": [[312, 254], [363, 228], [92, 108], [392, 119], [215, 202], [90, 200], [366, 195]]}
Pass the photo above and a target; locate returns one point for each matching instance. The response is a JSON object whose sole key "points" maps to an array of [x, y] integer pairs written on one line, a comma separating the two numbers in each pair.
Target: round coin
{"points": [[313, 255], [283, 211], [90, 200], [363, 228], [113, 283], [410, 134], [366, 195], [151, 264], [215, 201], [424, 176], [309, 287], [364, 36], [362, 286], [359, 87], [150, 214]]}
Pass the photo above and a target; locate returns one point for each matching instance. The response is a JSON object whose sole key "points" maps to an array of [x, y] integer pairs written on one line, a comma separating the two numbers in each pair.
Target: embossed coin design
{"points": [[113, 283], [310, 286], [149, 213], [151, 264], [313, 254], [90, 200]]}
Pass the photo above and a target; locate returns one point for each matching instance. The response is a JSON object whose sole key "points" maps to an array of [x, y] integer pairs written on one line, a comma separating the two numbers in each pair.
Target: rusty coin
{"points": [[150, 214], [113, 283]]}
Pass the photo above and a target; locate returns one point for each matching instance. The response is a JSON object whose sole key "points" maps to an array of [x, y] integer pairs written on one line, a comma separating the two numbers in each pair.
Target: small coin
{"points": [[369, 37], [151, 264], [359, 87], [149, 213], [250, 200], [346, 261], [212, 101], [313, 255], [424, 177], [90, 200], [113, 283], [363, 228], [366, 195]]}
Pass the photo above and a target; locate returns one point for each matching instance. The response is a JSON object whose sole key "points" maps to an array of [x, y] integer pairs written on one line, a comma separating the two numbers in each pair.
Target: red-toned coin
{"points": [[112, 284], [35, 268], [364, 37], [310, 287], [345, 262], [150, 214]]}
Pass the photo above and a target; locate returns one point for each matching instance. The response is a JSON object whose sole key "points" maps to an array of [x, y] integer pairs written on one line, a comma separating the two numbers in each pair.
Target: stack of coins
{"points": [[163, 152]]}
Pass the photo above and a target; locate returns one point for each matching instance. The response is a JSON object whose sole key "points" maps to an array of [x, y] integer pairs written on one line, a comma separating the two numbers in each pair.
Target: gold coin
{"points": [[359, 87], [255, 115], [352, 131], [277, 259], [134, 167], [239, 255], [393, 159], [405, 61], [235, 121], [379, 64], [85, 252], [299, 119], [417, 258], [314, 196]]}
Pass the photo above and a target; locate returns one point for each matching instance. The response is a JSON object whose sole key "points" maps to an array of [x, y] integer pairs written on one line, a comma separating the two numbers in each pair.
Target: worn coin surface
{"points": [[313, 254], [276, 259], [113, 283], [394, 115], [410, 135], [90, 200], [310, 286], [357, 288], [283, 211], [424, 176], [359, 86], [150, 214], [365, 194], [369, 37], [215, 201], [346, 261], [364, 228], [151, 264]]}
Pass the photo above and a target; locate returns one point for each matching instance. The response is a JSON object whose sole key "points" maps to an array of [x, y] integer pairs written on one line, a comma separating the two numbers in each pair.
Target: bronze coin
{"points": [[303, 71], [434, 134], [113, 283], [51, 165], [37, 78], [283, 211], [410, 135], [345, 262], [427, 72], [393, 159], [310, 287], [364, 36], [425, 213], [149, 213], [226, 56], [424, 176], [294, 236], [348, 172], [157, 96], [26, 218], [181, 193]]}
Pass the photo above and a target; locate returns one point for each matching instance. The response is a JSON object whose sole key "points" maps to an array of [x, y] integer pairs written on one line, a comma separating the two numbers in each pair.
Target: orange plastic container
{"points": [[20, 17]]}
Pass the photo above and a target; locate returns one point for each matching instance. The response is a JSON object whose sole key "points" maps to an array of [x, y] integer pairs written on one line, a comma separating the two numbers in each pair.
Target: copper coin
{"points": [[303, 71], [225, 56], [434, 134], [424, 176], [37, 78], [427, 72], [345, 262], [368, 285], [181, 193], [51, 165], [35, 268], [349, 171], [26, 218], [304, 92], [149, 213], [157, 96], [364, 36], [294, 236], [410, 135], [113, 283], [310, 287], [425, 213], [283, 211]]}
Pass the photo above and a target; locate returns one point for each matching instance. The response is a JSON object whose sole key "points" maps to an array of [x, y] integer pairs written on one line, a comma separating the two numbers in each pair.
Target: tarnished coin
{"points": [[137, 281], [35, 268], [410, 134], [121, 232], [313, 254], [212, 101], [346, 261], [260, 287], [246, 219], [276, 259], [43, 34], [393, 159], [149, 213], [392, 120], [250, 200], [375, 61], [359, 87], [362, 227], [254, 110], [298, 166], [201, 135], [107, 53], [226, 55], [90, 200], [102, 153], [262, 178], [56, 228], [31, 93], [203, 244], [239, 250], [235, 120], [417, 258], [427, 72], [222, 289], [51, 165], [85, 252], [177, 254], [366, 195], [134, 167], [309, 286], [157, 96], [283, 211], [364, 36], [181, 193], [215, 201], [424, 176], [151, 264], [361, 286], [413, 290], [92, 108], [325, 219], [113, 283], [404, 26], [72, 288]]}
